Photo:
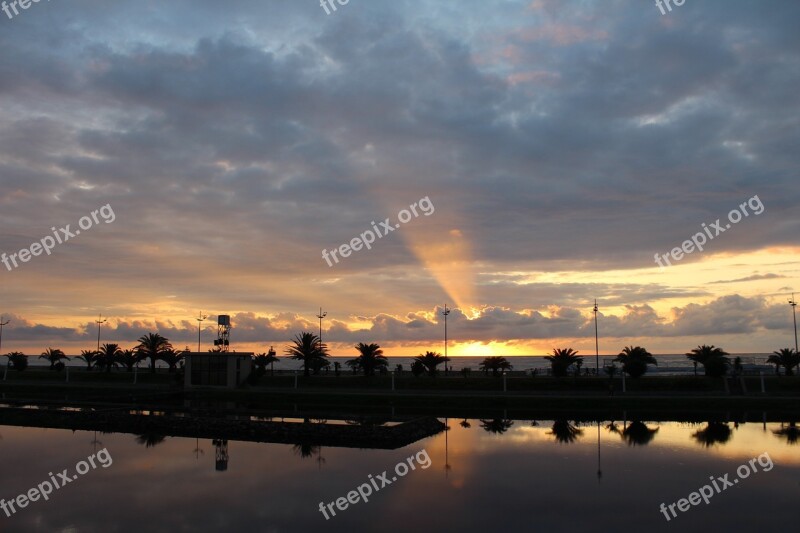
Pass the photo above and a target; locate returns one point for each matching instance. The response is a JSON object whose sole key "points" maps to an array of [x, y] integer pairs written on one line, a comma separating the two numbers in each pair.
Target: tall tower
{"points": [[223, 332]]}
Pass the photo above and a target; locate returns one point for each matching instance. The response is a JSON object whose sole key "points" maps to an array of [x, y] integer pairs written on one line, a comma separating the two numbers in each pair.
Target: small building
{"points": [[217, 369]]}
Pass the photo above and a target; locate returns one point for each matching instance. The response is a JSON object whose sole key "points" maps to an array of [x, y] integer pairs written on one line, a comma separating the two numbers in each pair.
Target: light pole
{"points": [[100, 320], [2, 323], [445, 313], [793, 303], [321, 315], [596, 344], [199, 319]]}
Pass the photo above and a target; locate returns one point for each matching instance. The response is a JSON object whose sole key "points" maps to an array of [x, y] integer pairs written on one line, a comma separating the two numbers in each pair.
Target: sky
{"points": [[529, 157]]}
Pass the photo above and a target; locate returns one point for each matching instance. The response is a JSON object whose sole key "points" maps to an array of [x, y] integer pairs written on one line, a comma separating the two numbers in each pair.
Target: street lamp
{"points": [[445, 313], [793, 303], [596, 345], [199, 319], [321, 315], [2, 323], [100, 320]]}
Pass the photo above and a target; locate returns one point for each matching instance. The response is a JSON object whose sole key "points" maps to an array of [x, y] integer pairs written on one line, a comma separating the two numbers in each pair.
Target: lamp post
{"points": [[321, 315], [596, 344], [199, 319], [793, 303], [445, 313], [100, 320], [2, 323]]}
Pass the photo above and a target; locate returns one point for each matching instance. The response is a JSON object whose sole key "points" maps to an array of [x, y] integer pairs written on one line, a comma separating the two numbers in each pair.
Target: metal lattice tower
{"points": [[223, 332]]}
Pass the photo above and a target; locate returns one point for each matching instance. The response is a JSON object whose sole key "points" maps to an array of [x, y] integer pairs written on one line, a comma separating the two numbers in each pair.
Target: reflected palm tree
{"points": [[789, 432], [498, 426], [465, 424], [564, 432], [713, 433], [638, 434], [306, 449], [150, 440]]}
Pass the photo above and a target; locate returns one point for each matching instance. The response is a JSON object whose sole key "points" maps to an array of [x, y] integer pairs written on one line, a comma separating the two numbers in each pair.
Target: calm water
{"points": [[522, 479]]}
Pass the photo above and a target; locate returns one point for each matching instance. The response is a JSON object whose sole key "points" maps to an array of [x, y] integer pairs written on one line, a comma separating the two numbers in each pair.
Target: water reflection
{"points": [[565, 432], [150, 440], [714, 433], [497, 426], [531, 467], [788, 432], [638, 434]]}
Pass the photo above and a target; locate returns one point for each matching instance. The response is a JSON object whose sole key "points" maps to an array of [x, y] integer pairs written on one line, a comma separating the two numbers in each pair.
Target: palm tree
{"points": [[150, 440], [564, 432], [261, 360], [308, 349], [152, 346], [429, 361], [498, 426], [129, 358], [371, 358], [713, 359], [108, 356], [713, 433], [90, 356], [635, 360], [54, 355], [495, 364], [786, 358], [562, 359], [172, 358], [17, 360], [638, 434]]}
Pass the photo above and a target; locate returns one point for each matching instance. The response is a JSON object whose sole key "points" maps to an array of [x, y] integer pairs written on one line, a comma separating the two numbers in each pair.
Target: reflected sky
{"points": [[493, 475]]}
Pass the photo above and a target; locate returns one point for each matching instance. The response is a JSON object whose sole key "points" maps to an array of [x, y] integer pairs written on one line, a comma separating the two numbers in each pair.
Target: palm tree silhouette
{"points": [[713, 359], [564, 432], [562, 359], [17, 360], [634, 360], [713, 433], [371, 358], [430, 360], [90, 356], [495, 364], [150, 440], [172, 358], [498, 426], [54, 355], [152, 346], [638, 434], [261, 361], [129, 358], [308, 349], [786, 358], [108, 356]]}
